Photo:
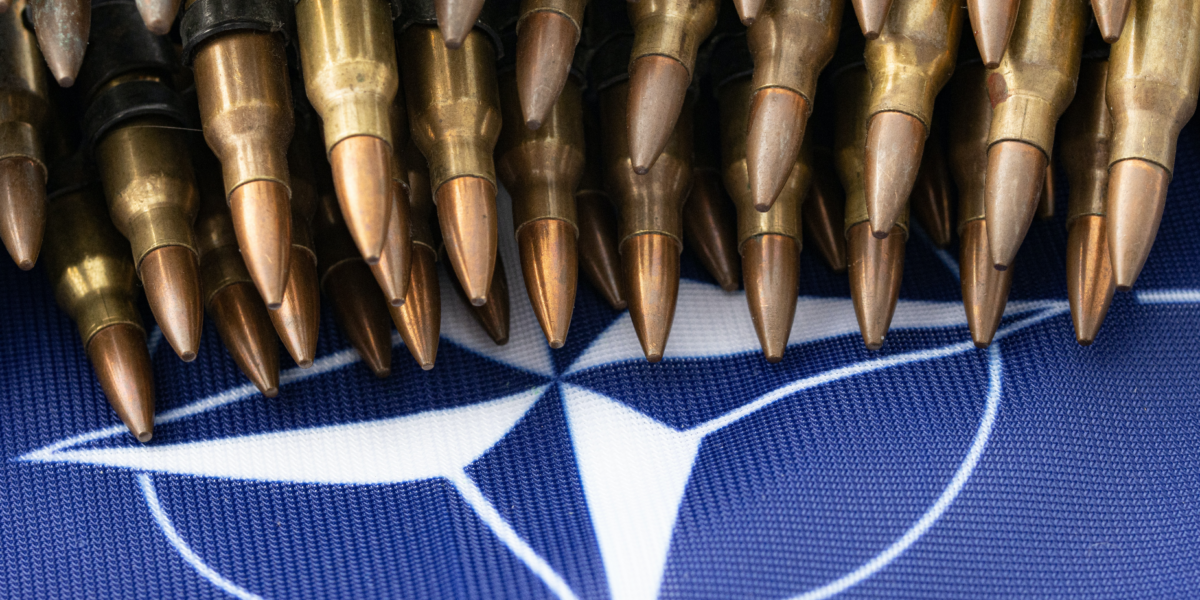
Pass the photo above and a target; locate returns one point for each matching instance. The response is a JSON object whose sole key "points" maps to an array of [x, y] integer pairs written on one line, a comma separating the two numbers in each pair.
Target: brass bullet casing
{"points": [[541, 169], [1153, 81], [984, 289], [876, 265], [349, 59], [395, 261], [89, 266], [769, 242], [547, 33], [650, 227], [419, 319], [909, 63], [454, 114], [23, 110], [791, 42], [1029, 91], [597, 218], [1084, 147]]}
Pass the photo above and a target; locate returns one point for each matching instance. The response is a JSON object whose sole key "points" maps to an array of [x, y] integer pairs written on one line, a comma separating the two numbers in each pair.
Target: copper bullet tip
{"points": [[122, 364], [598, 253], [298, 318], [824, 216], [419, 320], [395, 262], [22, 210], [545, 48], [777, 121], [876, 268], [657, 88], [651, 265], [456, 18], [772, 266], [871, 16], [262, 221], [748, 10], [171, 277], [1015, 171], [362, 178], [550, 265], [466, 209], [245, 329], [932, 196], [158, 15], [895, 144], [493, 315], [992, 23], [984, 289], [62, 30], [1137, 192], [709, 225], [361, 313], [1090, 283], [1110, 17]]}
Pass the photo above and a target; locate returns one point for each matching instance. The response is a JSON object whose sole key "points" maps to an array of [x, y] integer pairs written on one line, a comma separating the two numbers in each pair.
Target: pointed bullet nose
{"points": [[748, 10], [395, 262], [772, 266], [1090, 283], [895, 144], [824, 216], [932, 196], [871, 16], [245, 329], [158, 15], [493, 314], [550, 265], [709, 223], [22, 210], [545, 48], [992, 22], [1110, 17], [598, 247], [657, 88], [361, 312], [262, 221], [362, 178], [299, 315], [777, 121], [466, 209], [456, 18], [651, 265], [1013, 185], [984, 289], [121, 362], [419, 319], [62, 30], [876, 269], [170, 275], [1137, 193]]}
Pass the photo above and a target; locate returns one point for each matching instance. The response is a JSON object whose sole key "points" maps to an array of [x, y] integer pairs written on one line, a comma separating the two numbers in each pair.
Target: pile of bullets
{"points": [[347, 145]]}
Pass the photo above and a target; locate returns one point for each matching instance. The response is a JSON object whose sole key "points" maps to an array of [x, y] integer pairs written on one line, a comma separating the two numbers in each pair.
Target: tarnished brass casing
{"points": [[650, 203], [542, 168], [784, 215], [1036, 78], [453, 103], [246, 105], [306, 164], [913, 57], [853, 89], [571, 9], [398, 115], [1153, 80], [672, 28], [221, 262], [967, 139], [23, 92], [792, 41], [349, 59], [1087, 133]]}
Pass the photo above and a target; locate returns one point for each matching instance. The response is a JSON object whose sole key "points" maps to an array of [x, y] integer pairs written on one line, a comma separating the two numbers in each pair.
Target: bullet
{"points": [[349, 60], [597, 219], [667, 35], [909, 63], [547, 33], [1029, 91], [1153, 79], [1045, 207], [709, 221], [493, 314], [24, 104], [872, 16], [791, 43], [992, 23], [1084, 149], [89, 266], [230, 297], [63, 29], [541, 169], [1110, 17], [932, 196], [455, 18], [769, 242], [419, 319], [823, 211], [454, 114], [748, 10], [395, 261], [984, 289], [159, 14], [876, 265]]}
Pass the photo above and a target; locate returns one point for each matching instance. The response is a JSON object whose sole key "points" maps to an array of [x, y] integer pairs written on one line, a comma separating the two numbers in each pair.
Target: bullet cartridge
{"points": [[63, 28], [547, 33], [395, 261], [932, 197], [24, 104], [158, 15], [823, 210], [872, 16], [709, 218], [419, 319], [597, 219], [492, 315], [1110, 17], [992, 23]]}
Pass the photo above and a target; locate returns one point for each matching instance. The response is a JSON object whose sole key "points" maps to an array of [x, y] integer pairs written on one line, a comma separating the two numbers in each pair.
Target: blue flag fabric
{"points": [[1035, 468]]}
